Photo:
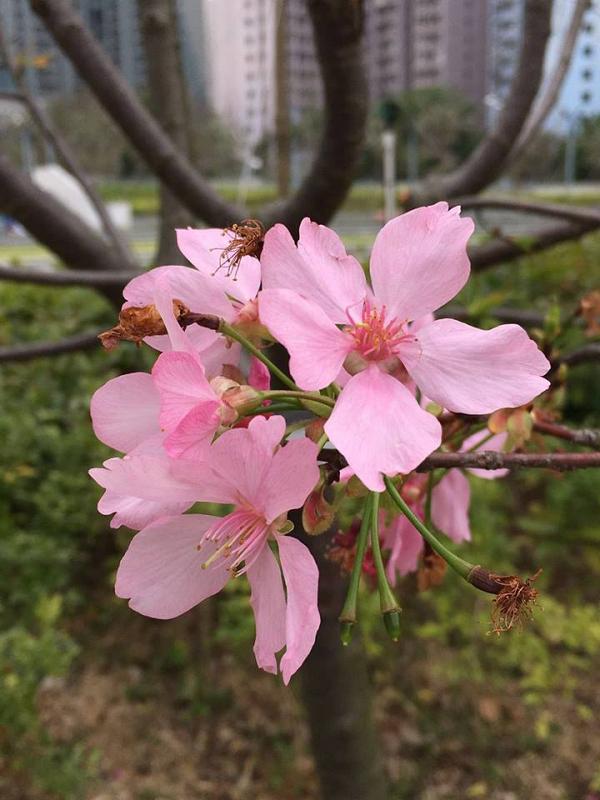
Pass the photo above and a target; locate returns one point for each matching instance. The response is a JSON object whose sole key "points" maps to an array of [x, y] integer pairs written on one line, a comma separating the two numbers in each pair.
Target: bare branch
{"points": [[54, 225], [582, 355], [505, 249], [520, 316], [27, 352], [63, 152], [66, 278], [337, 27], [546, 102], [138, 125], [489, 459], [168, 101], [585, 436], [488, 160], [571, 213]]}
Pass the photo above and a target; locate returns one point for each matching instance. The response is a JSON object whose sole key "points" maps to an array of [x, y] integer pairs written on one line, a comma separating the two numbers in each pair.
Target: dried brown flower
{"points": [[514, 601], [137, 323], [247, 240]]}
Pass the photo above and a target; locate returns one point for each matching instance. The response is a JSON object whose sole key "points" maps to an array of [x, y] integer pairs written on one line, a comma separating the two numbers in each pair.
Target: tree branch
{"points": [[565, 212], [27, 352], [488, 160], [583, 355], [520, 316], [337, 27], [139, 126], [70, 278], [54, 225], [498, 252], [489, 459], [546, 102], [64, 152], [168, 102], [584, 436]]}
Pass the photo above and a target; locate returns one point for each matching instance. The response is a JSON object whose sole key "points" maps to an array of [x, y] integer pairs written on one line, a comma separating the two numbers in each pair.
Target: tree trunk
{"points": [[168, 101], [337, 695]]}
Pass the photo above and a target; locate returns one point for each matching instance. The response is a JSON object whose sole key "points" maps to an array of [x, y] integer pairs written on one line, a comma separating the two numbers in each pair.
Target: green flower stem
{"points": [[386, 597], [348, 615], [428, 496], [298, 395], [459, 565], [272, 409], [232, 333]]}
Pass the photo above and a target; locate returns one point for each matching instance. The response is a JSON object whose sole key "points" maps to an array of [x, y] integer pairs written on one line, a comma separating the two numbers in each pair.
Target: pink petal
{"points": [[319, 269], [302, 615], [192, 436], [125, 411], [136, 513], [187, 285], [163, 300], [238, 463], [405, 545], [259, 376], [450, 505], [204, 247], [267, 433], [419, 260], [379, 427], [291, 476], [182, 385], [268, 603], [495, 443], [316, 346], [474, 371], [146, 478], [161, 573]]}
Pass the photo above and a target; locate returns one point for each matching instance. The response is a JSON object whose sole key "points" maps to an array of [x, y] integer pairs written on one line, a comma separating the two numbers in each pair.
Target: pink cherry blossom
{"points": [[173, 413], [317, 302], [175, 563], [207, 289]]}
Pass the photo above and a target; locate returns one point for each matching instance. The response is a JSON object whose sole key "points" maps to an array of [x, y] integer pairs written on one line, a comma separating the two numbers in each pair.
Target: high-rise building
{"points": [[580, 93], [407, 43]]}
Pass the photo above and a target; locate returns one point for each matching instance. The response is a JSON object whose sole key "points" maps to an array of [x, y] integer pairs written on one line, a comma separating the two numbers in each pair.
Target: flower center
{"points": [[375, 336], [240, 537]]}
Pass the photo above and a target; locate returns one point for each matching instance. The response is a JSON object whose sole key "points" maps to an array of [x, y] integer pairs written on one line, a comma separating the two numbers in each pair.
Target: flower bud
{"points": [[391, 620], [346, 630], [317, 513]]}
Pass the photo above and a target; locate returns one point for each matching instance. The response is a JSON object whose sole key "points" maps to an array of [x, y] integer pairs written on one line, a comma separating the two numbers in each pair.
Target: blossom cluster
{"points": [[366, 358]]}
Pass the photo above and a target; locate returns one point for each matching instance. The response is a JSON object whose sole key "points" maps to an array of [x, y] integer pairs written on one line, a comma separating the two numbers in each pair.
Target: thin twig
{"points": [[553, 84], [27, 352], [66, 278], [63, 151], [500, 251], [585, 436], [571, 213], [488, 459], [582, 355]]}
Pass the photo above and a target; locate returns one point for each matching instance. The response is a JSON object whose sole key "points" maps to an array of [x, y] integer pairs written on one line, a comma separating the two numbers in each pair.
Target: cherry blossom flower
{"points": [[175, 563], [317, 302], [207, 289], [173, 413]]}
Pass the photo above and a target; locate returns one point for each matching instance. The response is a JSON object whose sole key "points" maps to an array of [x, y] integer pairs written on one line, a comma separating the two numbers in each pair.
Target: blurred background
{"points": [[97, 703]]}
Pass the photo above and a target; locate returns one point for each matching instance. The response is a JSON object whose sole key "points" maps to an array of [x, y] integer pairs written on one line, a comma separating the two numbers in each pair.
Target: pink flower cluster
{"points": [[194, 430]]}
